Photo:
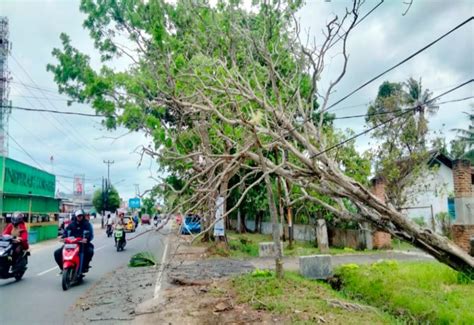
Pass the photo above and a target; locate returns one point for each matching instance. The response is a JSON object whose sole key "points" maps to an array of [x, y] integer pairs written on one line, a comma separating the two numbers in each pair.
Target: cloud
{"points": [[78, 144]]}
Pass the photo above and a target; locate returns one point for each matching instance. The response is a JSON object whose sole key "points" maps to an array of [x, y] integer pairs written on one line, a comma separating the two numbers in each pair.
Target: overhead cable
{"points": [[402, 62], [53, 111], [413, 109]]}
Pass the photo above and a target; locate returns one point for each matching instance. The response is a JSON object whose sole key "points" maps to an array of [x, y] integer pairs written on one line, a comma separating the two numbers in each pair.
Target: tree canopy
{"points": [[108, 201], [225, 91]]}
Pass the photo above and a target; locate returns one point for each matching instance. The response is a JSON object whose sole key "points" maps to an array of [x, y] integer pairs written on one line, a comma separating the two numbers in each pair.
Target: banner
{"points": [[78, 185], [219, 228]]}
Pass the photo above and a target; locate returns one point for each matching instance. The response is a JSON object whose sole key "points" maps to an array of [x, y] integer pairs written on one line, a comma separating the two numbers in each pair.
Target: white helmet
{"points": [[17, 217], [79, 212]]}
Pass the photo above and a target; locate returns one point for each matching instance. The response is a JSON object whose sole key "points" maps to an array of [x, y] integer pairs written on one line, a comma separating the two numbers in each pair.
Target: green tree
{"points": [[462, 146], [111, 202], [403, 151], [466, 136], [218, 88], [149, 206]]}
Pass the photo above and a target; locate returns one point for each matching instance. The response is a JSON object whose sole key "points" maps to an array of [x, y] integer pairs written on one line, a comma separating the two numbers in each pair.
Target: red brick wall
{"points": [[461, 236], [378, 188], [380, 239], [462, 178]]}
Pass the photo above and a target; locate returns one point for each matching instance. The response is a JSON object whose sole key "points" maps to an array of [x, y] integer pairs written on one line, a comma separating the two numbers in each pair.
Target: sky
{"points": [[79, 145]]}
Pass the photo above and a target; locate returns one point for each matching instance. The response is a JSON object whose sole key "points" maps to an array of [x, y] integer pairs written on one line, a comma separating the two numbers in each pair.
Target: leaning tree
{"points": [[243, 83]]}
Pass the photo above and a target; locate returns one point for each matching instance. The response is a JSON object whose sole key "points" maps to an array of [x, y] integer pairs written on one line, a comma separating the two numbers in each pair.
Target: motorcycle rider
{"points": [[17, 228], [120, 224], [76, 229], [109, 222]]}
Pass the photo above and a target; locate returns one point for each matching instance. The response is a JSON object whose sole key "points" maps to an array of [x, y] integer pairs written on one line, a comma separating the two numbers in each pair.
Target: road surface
{"points": [[39, 298]]}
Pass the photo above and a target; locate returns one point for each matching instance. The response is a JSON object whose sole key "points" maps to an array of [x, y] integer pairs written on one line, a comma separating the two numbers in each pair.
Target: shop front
{"points": [[31, 191]]}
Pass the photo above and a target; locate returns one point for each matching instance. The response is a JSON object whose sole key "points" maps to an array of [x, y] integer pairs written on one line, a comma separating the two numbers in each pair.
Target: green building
{"points": [[29, 190]]}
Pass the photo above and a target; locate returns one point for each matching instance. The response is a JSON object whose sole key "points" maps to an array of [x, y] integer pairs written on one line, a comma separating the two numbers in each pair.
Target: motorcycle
{"points": [[109, 231], [7, 269], [73, 259], [120, 242]]}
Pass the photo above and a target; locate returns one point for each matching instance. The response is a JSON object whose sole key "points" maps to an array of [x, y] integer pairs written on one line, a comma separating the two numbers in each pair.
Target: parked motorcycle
{"points": [[109, 231], [73, 259], [120, 241], [7, 268]]}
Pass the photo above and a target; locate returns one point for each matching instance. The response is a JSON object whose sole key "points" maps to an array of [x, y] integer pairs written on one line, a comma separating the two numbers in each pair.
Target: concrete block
{"points": [[316, 266], [267, 249]]}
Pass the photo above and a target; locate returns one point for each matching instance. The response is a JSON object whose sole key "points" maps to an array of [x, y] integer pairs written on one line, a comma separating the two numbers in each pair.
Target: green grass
{"points": [[301, 300], [418, 292], [402, 245], [246, 245]]}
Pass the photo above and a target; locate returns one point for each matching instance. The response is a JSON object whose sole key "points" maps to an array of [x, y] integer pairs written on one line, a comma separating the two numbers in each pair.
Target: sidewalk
{"points": [[196, 290]]}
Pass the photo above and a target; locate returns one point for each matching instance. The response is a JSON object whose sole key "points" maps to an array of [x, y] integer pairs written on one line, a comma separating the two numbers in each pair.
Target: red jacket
{"points": [[23, 233]]}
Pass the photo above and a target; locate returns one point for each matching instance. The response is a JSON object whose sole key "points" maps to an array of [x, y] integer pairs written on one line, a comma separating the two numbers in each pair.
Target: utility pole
{"points": [[137, 190], [108, 162], [5, 104]]}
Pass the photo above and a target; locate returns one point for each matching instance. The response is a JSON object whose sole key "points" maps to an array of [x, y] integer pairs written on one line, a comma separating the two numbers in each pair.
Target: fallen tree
{"points": [[251, 80]]}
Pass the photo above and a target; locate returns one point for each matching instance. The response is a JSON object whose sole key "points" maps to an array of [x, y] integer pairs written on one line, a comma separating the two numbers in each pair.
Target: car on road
{"points": [[191, 225], [129, 224], [146, 219]]}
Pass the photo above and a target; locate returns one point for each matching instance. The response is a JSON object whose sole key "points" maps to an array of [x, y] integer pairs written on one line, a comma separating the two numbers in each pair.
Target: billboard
{"points": [[78, 186], [134, 203], [22, 179]]}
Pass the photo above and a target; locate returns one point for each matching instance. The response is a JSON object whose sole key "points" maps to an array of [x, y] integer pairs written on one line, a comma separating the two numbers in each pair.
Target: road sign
{"points": [[134, 203]]}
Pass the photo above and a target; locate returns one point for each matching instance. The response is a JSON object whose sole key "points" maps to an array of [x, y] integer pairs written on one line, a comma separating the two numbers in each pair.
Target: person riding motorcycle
{"points": [[76, 229], [120, 224], [17, 228]]}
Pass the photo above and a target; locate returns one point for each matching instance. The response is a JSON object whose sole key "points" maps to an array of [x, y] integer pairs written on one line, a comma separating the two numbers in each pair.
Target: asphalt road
{"points": [[39, 298]]}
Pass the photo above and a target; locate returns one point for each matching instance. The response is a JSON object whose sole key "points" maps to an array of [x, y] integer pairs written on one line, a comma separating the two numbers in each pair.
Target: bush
{"points": [[420, 221], [443, 219], [417, 292]]}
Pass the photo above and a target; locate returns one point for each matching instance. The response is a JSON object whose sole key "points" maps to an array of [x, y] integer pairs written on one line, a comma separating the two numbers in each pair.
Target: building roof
{"points": [[436, 156]]}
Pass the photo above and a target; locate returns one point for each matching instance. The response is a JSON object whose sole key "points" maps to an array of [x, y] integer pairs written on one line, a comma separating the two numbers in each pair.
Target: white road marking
{"points": [[98, 249], [160, 273], [47, 271]]}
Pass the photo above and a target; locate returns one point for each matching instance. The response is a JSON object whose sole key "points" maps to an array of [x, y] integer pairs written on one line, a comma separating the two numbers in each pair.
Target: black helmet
{"points": [[17, 217]]}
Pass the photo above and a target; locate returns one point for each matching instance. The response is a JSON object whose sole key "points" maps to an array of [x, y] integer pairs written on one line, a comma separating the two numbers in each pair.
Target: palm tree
{"points": [[415, 96], [466, 136]]}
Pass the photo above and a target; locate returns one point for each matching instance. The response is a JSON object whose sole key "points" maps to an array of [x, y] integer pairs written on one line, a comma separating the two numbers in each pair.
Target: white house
{"points": [[430, 193]]}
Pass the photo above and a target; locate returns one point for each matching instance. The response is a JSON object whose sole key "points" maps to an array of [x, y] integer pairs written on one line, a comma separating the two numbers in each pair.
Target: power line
{"points": [[402, 62], [456, 100], [50, 90], [54, 123], [391, 119], [50, 98], [398, 110], [72, 130], [53, 111], [24, 150], [357, 23]]}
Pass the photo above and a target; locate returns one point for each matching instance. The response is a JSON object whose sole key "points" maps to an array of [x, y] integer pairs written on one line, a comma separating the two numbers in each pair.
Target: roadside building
{"points": [[29, 190], [433, 191]]}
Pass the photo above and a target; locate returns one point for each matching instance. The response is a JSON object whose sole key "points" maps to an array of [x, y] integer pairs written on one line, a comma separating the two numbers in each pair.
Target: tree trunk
{"points": [[275, 225], [387, 218]]}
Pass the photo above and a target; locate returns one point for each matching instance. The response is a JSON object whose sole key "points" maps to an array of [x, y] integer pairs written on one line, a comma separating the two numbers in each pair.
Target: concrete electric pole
{"points": [[108, 162]]}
